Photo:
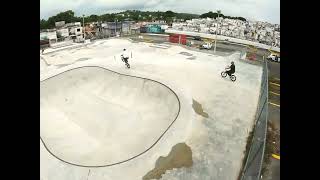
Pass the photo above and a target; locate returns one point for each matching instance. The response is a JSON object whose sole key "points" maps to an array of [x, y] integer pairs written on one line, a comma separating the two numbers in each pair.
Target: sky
{"points": [[257, 10]]}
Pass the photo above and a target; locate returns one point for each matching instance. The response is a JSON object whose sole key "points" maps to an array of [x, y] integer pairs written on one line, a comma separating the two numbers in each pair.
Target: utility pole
{"points": [[215, 42], [273, 42], [115, 30], [83, 26]]}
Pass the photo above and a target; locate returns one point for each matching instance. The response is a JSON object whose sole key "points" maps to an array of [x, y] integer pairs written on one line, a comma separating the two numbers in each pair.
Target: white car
{"points": [[274, 58], [207, 46]]}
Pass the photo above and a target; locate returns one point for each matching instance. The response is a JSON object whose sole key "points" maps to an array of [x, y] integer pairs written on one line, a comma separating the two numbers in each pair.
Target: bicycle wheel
{"points": [[223, 74], [233, 78]]}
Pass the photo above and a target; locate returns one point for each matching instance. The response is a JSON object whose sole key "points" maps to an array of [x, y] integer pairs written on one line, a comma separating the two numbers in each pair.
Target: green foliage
{"points": [[211, 14], [169, 14], [134, 15], [91, 18], [67, 16], [43, 24], [186, 16]]}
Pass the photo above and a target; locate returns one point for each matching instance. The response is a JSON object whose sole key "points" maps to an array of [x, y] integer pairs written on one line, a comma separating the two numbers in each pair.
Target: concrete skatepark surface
{"points": [[88, 108], [217, 140]]}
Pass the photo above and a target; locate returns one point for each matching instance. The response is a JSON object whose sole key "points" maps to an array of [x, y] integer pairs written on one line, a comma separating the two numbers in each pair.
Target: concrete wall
{"points": [[49, 35], [74, 30], [63, 32]]}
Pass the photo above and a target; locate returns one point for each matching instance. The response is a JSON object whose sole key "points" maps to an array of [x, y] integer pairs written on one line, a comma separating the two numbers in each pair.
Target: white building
{"points": [[249, 30], [49, 35], [76, 33], [64, 32]]}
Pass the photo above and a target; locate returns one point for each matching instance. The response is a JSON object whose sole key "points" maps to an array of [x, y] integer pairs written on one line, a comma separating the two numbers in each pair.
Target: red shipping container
{"points": [[177, 35], [174, 35], [175, 38]]}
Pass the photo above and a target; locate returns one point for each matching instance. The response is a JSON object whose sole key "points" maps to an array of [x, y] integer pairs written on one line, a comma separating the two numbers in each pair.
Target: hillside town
{"points": [[255, 31], [261, 32]]}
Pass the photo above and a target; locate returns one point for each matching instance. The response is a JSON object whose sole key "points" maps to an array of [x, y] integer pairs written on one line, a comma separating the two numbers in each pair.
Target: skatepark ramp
{"points": [[95, 117]]}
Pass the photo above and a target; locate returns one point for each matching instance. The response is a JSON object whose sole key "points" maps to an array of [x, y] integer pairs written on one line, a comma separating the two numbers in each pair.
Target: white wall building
{"points": [[262, 32], [64, 32], [49, 35]]}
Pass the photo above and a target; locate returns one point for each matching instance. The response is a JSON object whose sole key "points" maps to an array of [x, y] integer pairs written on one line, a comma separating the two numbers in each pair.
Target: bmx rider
{"points": [[232, 69], [125, 56]]}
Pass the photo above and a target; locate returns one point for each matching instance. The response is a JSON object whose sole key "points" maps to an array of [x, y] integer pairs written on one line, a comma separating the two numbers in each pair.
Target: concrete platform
{"points": [[217, 140]]}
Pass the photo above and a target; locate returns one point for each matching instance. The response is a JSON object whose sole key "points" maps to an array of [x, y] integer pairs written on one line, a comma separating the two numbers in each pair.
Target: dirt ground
{"points": [[272, 146]]}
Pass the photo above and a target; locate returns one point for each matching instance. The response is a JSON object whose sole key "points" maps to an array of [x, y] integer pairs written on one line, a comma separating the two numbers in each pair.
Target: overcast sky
{"points": [[261, 10]]}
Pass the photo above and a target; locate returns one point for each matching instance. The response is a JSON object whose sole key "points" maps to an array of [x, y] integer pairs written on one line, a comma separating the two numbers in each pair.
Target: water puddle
{"points": [[179, 156], [197, 107]]}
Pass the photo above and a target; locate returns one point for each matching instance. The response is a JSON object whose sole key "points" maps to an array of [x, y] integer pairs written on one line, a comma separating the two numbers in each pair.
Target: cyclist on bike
{"points": [[125, 56], [232, 69]]}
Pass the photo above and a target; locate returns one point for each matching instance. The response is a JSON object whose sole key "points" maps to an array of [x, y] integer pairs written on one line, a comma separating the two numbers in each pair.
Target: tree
{"points": [[242, 19], [169, 14], [211, 14], [67, 16], [186, 16], [136, 15], [104, 17], [93, 18], [43, 24]]}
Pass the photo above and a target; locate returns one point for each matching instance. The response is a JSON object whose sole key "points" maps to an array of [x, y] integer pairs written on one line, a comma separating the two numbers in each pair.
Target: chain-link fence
{"points": [[254, 160]]}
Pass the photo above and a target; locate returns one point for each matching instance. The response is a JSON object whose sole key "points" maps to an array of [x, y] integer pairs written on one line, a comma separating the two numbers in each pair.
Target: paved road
{"points": [[222, 49], [274, 114], [274, 93]]}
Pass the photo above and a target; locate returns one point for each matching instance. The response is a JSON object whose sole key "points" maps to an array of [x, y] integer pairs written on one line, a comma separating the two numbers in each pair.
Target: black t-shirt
{"points": [[233, 68]]}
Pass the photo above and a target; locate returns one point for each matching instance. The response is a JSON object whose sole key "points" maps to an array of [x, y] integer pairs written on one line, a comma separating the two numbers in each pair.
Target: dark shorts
{"points": [[230, 73], [125, 60]]}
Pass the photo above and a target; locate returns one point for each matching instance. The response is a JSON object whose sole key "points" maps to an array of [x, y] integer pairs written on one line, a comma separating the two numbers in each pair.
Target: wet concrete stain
{"points": [[83, 59], [197, 107], [179, 156], [61, 65], [192, 57], [185, 53]]}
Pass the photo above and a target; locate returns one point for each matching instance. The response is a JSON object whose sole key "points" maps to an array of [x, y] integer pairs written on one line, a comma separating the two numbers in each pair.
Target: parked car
{"points": [[274, 57], [206, 46], [198, 38]]}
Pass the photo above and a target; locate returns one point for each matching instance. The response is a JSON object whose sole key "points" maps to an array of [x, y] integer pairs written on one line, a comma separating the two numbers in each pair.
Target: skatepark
{"points": [[100, 120]]}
